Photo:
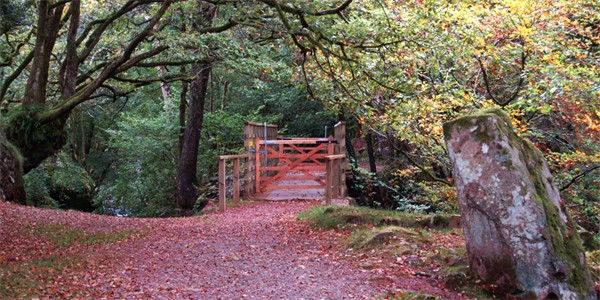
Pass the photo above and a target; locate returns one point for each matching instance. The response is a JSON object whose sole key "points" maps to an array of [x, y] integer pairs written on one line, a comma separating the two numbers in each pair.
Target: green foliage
{"points": [[286, 106], [200, 203], [37, 187], [60, 182], [405, 189], [144, 171], [71, 185], [11, 15], [593, 259], [222, 133]]}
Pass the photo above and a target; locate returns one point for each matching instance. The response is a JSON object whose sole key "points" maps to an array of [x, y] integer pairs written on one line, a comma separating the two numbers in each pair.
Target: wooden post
{"points": [[252, 132], [257, 165], [336, 178], [328, 182], [332, 182], [222, 185], [340, 137], [331, 146], [236, 180], [249, 164]]}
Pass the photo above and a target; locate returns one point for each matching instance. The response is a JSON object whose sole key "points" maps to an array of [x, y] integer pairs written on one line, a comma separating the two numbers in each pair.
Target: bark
{"points": [[48, 27], [68, 72], [12, 187], [225, 89], [36, 128], [187, 180], [371, 153], [182, 108]]}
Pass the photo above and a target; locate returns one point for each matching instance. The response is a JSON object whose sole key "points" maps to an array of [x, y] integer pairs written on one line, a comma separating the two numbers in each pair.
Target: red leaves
{"points": [[258, 250]]}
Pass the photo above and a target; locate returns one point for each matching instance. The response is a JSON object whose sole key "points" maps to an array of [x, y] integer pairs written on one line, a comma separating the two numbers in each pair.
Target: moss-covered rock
{"points": [[520, 239]]}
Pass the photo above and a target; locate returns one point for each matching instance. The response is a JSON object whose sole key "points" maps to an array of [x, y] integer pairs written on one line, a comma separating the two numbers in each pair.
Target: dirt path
{"points": [[255, 251]]}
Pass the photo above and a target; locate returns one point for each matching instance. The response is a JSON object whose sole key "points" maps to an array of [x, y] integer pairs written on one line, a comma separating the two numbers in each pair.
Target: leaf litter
{"points": [[253, 251]]}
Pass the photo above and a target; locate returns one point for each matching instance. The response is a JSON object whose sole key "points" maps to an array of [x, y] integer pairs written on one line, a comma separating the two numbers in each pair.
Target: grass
{"points": [[45, 276], [32, 278], [424, 243], [347, 217], [408, 295], [65, 236]]}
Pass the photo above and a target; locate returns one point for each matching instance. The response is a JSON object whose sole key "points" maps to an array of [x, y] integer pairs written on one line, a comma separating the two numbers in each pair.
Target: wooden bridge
{"points": [[278, 168]]}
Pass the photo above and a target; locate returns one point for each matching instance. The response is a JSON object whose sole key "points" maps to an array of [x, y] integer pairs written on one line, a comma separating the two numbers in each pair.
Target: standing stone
{"points": [[519, 237]]}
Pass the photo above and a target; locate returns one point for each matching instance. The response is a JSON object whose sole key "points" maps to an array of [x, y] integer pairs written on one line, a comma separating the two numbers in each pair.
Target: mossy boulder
{"points": [[520, 240]]}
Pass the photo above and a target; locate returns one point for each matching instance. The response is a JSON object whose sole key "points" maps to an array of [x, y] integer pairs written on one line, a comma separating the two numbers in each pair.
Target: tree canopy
{"points": [[83, 73]]}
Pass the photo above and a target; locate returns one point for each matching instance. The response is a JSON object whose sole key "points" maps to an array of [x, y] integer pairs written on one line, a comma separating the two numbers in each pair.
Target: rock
{"points": [[380, 238], [455, 281], [440, 221], [519, 237], [413, 259], [589, 241]]}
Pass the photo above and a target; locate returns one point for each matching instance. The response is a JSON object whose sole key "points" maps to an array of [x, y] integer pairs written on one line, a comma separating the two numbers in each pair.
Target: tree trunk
{"points": [[225, 89], [12, 187], [187, 180], [371, 153], [36, 128], [182, 109], [48, 28], [36, 141]]}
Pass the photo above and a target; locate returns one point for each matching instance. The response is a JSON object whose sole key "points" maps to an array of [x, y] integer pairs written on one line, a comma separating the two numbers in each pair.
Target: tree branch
{"points": [[121, 63], [9, 80], [579, 176]]}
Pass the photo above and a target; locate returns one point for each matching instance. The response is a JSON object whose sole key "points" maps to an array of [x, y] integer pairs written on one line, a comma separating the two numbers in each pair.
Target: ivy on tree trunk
{"points": [[12, 187]]}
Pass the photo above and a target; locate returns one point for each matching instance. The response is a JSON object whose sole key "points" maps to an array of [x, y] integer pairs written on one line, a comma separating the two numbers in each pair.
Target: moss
{"points": [[478, 118], [35, 140], [341, 217], [14, 151], [565, 241]]}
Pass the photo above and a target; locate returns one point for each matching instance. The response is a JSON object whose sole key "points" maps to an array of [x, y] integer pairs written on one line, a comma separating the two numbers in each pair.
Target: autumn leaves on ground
{"points": [[255, 250]]}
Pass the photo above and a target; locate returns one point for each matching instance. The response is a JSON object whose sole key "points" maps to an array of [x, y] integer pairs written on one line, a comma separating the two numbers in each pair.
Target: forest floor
{"points": [[257, 250]]}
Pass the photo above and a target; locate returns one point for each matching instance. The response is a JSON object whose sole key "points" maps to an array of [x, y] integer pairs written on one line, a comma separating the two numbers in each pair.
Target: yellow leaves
{"points": [[519, 7], [550, 58], [523, 31]]}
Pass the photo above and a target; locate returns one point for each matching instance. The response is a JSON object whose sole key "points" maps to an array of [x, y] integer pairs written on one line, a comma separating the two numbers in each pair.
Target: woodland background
{"points": [[121, 106]]}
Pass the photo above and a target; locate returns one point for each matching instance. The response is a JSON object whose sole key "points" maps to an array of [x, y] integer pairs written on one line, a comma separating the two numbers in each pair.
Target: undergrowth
{"points": [[346, 217], [429, 245]]}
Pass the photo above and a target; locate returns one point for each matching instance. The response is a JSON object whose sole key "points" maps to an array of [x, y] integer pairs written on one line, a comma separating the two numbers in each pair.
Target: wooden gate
{"points": [[292, 163]]}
